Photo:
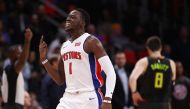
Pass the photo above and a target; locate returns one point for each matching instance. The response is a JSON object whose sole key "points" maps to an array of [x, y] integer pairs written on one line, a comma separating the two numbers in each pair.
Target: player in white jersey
{"points": [[81, 63]]}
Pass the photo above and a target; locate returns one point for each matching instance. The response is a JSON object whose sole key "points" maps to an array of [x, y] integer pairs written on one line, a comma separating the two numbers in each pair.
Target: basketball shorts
{"points": [[80, 100]]}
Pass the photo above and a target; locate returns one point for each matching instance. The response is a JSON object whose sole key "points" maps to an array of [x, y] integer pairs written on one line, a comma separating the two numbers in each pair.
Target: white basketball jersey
{"points": [[82, 70]]}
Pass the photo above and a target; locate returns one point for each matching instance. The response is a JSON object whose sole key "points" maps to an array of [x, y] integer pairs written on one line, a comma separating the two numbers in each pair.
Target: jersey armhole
{"points": [[84, 43], [147, 58]]}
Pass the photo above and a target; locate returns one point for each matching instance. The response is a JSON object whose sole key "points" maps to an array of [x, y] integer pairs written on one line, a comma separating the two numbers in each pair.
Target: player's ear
{"points": [[83, 23]]}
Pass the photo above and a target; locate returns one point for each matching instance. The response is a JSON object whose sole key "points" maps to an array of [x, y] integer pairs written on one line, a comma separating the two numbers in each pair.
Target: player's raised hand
{"points": [[28, 34], [43, 48]]}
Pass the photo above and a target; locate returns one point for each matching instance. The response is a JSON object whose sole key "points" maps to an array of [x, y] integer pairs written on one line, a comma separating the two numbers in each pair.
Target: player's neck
{"points": [[75, 34], [156, 54]]}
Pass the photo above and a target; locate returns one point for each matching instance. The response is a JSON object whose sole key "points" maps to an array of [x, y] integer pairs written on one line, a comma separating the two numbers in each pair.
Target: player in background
{"points": [[81, 63], [157, 73]]}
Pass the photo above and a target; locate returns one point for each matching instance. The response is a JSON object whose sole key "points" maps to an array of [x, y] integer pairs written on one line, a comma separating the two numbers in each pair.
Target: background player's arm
{"points": [[24, 55], [139, 69], [93, 45], [57, 76], [173, 66]]}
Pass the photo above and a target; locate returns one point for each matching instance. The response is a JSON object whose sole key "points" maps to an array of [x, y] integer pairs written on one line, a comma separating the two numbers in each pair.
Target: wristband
{"points": [[45, 61], [135, 91], [107, 101]]}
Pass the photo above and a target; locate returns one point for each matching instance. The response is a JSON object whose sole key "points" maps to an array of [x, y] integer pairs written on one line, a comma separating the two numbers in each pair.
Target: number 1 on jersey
{"points": [[70, 68]]}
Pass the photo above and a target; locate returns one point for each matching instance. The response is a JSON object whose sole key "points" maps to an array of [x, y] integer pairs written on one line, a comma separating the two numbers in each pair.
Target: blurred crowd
{"points": [[121, 25]]}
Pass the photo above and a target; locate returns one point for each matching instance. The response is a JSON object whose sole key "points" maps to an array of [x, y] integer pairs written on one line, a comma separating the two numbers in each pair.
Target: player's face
{"points": [[18, 51], [179, 68], [73, 20], [27, 100]]}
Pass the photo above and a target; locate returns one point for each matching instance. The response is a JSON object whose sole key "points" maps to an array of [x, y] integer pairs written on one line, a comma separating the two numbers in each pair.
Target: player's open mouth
{"points": [[68, 24]]}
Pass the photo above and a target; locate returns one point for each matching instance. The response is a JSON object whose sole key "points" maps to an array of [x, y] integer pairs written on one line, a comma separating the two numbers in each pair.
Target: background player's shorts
{"points": [[154, 106], [81, 100]]}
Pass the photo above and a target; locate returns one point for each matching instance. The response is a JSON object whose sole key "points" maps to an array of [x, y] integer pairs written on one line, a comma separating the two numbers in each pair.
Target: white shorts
{"points": [[81, 100]]}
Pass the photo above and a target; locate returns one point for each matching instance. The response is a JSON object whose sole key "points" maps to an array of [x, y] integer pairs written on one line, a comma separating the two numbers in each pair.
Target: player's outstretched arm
{"points": [[93, 45], [139, 69], [57, 76], [24, 55]]}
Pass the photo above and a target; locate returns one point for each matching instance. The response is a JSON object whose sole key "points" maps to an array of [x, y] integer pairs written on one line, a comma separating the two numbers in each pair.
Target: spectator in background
{"points": [[12, 80], [181, 89], [27, 101], [34, 83], [181, 49], [34, 102], [50, 91], [139, 35], [33, 62], [1, 101], [61, 37], [30, 101], [121, 97], [26, 71], [118, 39], [167, 50]]}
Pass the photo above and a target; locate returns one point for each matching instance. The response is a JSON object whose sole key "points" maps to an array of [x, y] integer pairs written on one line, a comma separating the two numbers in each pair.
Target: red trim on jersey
{"points": [[70, 68], [101, 94], [98, 73]]}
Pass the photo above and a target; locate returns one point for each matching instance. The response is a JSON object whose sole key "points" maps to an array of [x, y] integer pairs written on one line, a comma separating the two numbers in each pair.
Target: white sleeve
{"points": [[107, 67]]}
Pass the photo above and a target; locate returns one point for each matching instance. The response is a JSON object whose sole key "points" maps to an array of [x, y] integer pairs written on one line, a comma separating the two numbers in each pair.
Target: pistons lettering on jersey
{"points": [[71, 55]]}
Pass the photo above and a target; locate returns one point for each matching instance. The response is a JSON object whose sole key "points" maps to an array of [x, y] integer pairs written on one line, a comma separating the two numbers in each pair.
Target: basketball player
{"points": [[157, 74], [83, 58], [12, 79]]}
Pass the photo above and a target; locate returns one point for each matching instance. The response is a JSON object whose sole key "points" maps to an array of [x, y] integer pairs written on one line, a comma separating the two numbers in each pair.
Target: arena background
{"points": [[118, 24]]}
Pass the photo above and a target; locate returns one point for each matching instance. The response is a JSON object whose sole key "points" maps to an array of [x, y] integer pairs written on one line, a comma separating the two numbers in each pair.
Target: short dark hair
{"points": [[118, 51], [154, 43], [85, 16]]}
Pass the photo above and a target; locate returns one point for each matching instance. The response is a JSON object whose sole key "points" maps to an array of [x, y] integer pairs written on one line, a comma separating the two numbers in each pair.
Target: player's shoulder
{"points": [[92, 44], [143, 61], [172, 62], [92, 38], [93, 41]]}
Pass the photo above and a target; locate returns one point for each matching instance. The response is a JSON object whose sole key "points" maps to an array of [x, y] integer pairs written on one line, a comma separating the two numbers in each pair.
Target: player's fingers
{"points": [[43, 45], [135, 103], [140, 98], [42, 38], [28, 30]]}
